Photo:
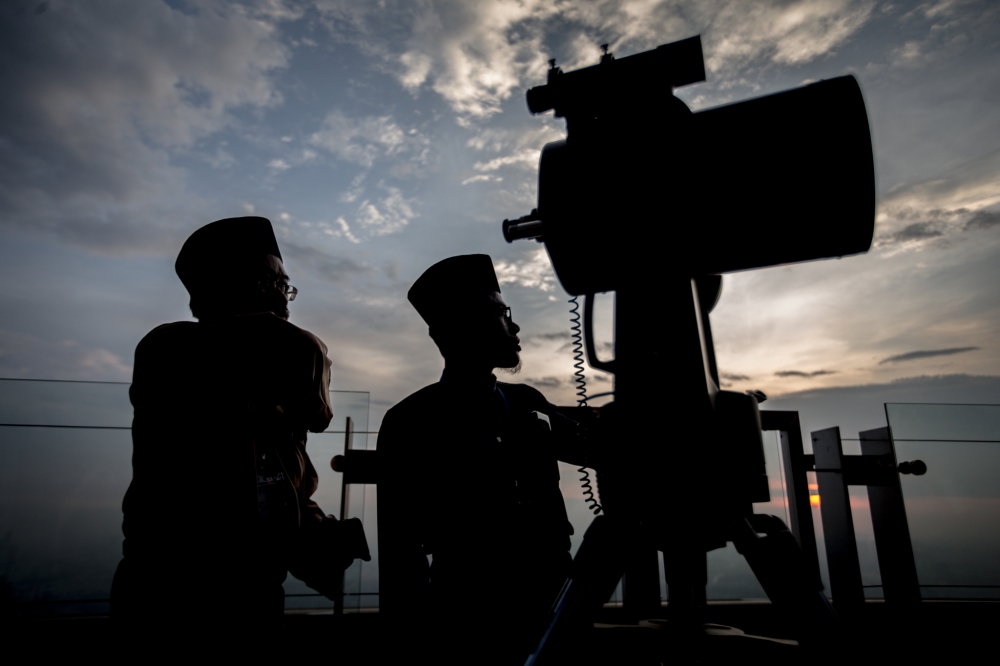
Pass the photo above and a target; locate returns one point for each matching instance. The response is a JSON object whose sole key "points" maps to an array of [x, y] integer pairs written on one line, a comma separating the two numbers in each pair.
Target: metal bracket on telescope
{"points": [[876, 469]]}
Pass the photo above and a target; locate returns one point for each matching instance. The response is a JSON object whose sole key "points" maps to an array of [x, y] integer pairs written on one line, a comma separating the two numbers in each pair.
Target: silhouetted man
{"points": [[219, 507], [468, 475]]}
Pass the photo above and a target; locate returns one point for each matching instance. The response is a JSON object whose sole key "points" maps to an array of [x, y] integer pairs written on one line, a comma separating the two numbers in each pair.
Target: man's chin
{"points": [[511, 369]]}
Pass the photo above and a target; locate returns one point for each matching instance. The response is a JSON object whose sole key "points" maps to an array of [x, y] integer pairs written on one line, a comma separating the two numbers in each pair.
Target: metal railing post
{"points": [[338, 603], [892, 531], [838, 524]]}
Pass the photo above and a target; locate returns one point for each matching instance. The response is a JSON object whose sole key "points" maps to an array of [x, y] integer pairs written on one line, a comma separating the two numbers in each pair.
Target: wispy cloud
{"points": [[366, 139], [733, 377], [800, 373], [476, 55], [535, 272], [914, 355], [965, 198], [100, 96], [544, 382]]}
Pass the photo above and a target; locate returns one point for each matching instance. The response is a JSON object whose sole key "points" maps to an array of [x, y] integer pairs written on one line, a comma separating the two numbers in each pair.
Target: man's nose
{"points": [[513, 327]]}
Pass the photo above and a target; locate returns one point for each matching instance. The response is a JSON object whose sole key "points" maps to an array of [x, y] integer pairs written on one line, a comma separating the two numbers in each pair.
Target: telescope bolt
{"points": [[914, 467], [529, 226]]}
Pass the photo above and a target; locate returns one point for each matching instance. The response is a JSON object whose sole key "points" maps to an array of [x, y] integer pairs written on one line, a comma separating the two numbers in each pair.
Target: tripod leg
{"points": [[779, 565], [641, 585], [686, 569], [597, 568]]}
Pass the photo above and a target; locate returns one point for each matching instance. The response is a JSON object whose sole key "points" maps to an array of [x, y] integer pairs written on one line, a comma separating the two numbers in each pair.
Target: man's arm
{"points": [[318, 412], [323, 546]]}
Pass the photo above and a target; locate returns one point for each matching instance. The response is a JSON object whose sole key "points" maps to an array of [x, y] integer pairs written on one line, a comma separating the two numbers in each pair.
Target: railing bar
{"points": [[982, 441], [346, 594], [92, 427], [46, 425], [59, 381], [988, 587], [973, 587], [971, 441]]}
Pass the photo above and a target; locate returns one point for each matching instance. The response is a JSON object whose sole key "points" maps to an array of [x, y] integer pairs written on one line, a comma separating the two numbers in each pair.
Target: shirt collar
{"points": [[478, 384]]}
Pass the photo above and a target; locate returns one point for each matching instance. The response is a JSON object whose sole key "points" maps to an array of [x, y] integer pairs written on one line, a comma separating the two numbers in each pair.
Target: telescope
{"points": [[655, 202], [774, 180]]}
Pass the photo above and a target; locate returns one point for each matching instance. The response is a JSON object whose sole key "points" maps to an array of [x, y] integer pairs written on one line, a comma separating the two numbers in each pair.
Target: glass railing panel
{"points": [[55, 403], [953, 513], [61, 491], [953, 510], [966, 423], [349, 403]]}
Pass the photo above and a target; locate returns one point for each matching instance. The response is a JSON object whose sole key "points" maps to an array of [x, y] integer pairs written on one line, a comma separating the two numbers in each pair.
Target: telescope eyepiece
{"points": [[529, 226]]}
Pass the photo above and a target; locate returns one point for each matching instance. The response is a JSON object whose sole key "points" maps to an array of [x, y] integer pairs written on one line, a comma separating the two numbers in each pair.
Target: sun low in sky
{"points": [[380, 137]]}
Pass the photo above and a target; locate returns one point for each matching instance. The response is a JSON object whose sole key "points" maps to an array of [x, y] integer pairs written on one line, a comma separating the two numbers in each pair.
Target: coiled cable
{"points": [[576, 336]]}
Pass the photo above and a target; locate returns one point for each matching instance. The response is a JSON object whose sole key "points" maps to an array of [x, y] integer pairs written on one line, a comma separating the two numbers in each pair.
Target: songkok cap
{"points": [[225, 249], [445, 285]]}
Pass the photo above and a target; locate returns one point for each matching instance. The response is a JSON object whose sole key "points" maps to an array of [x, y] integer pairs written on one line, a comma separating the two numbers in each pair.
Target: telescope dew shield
{"points": [[780, 179]]}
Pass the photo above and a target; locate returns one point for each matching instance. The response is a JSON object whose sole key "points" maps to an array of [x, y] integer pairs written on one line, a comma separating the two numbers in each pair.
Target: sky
{"points": [[381, 137]]}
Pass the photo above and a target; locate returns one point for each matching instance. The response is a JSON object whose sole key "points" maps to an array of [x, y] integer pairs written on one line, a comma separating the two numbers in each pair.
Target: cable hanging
{"points": [[576, 335]]}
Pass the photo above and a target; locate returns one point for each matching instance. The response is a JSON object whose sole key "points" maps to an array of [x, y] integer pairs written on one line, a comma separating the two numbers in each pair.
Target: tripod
{"points": [[660, 463]]}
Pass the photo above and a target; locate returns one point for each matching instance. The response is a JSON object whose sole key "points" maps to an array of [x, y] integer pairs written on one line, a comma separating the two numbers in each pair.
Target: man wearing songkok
{"points": [[469, 475], [219, 507]]}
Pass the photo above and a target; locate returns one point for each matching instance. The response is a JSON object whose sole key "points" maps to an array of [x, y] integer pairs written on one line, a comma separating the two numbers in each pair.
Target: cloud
{"points": [[965, 198], [534, 273], [787, 33], [477, 54], [332, 268], [387, 215], [733, 377], [559, 336], [366, 139], [914, 355], [984, 219], [799, 373], [100, 96], [544, 382], [26, 355], [104, 362]]}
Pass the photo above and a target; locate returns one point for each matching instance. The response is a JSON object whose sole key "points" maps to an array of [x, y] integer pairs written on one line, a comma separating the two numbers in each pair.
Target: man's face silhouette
{"points": [[485, 335], [271, 287]]}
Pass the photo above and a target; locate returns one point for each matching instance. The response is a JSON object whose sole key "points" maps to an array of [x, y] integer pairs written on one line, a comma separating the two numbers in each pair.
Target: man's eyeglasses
{"points": [[286, 290], [505, 312]]}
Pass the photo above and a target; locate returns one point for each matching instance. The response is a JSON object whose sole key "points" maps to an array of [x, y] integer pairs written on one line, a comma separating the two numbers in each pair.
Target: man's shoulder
{"points": [[416, 403], [293, 332], [166, 333], [275, 329]]}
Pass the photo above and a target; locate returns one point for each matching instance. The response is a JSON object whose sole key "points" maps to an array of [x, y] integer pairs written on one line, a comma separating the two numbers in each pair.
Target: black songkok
{"points": [[225, 250], [444, 286]]}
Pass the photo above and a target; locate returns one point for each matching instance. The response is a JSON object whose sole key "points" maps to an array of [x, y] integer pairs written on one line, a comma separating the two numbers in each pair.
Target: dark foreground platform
{"points": [[733, 632]]}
